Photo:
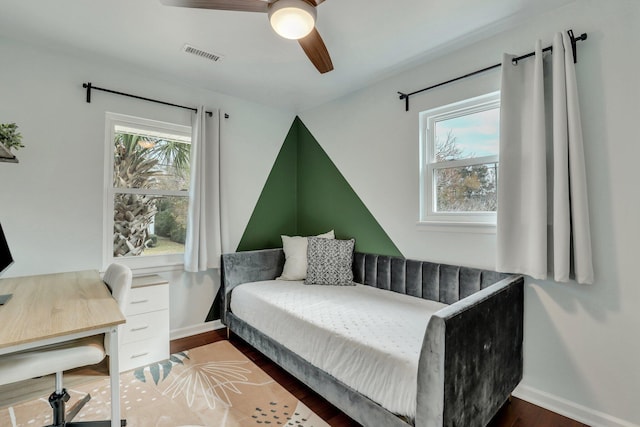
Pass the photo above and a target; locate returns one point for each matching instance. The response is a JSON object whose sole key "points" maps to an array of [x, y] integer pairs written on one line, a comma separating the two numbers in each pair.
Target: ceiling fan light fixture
{"points": [[292, 19]]}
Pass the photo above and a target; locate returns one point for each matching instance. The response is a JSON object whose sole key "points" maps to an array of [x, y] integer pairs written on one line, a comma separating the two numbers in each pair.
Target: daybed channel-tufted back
{"points": [[437, 282]]}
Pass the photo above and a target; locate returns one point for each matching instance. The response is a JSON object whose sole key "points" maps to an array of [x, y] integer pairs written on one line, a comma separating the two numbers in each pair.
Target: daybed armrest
{"points": [[471, 357], [249, 266]]}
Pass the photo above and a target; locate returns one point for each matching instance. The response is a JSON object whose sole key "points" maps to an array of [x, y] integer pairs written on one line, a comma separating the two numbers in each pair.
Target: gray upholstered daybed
{"points": [[471, 355]]}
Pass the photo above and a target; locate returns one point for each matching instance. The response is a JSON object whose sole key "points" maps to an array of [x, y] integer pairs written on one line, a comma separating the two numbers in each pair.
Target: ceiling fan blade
{"points": [[317, 52], [318, 2], [238, 5]]}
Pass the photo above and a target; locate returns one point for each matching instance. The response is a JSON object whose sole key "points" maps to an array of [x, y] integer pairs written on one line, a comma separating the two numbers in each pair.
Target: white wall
{"points": [[582, 343], [51, 203]]}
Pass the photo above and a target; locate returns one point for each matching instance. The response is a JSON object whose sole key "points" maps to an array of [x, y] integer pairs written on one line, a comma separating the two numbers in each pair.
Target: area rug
{"points": [[210, 386]]}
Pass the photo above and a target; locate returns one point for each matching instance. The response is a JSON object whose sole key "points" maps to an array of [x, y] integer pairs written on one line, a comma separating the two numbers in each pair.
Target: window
{"points": [[147, 191], [459, 162]]}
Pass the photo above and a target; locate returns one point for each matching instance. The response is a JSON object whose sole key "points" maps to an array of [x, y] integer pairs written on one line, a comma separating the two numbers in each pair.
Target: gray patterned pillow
{"points": [[329, 262]]}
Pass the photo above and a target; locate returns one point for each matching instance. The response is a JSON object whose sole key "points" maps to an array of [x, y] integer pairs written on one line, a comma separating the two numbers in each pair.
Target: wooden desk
{"points": [[53, 308]]}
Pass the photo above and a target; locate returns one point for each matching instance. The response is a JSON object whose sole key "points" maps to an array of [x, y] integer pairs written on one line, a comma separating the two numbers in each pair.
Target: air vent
{"points": [[195, 51]]}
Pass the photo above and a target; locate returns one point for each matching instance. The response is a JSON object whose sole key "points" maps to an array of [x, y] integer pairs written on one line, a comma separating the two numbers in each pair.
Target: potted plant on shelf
{"points": [[10, 139]]}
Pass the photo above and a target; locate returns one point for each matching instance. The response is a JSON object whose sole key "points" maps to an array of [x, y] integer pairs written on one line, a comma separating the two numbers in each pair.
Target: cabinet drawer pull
{"points": [[140, 301], [134, 356], [140, 328]]}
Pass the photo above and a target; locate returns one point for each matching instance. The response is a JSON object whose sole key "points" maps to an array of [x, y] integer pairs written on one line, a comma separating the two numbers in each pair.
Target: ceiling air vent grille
{"points": [[199, 52]]}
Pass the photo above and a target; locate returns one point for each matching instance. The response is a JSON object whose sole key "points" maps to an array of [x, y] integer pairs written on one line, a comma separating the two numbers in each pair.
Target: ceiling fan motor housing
{"points": [[292, 19]]}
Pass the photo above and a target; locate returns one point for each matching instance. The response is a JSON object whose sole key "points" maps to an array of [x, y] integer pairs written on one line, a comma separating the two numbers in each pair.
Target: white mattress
{"points": [[367, 338]]}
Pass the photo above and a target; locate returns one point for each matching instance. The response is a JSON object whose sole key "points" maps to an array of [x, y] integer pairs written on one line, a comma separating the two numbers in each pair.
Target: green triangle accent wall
{"points": [[305, 194]]}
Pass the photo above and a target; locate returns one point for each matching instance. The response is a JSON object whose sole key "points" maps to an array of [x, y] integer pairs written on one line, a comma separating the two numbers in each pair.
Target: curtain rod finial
{"points": [[405, 96], [574, 41], [88, 87]]}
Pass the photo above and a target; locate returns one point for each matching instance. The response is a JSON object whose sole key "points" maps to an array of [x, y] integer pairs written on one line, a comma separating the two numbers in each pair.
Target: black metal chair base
{"points": [[58, 401]]}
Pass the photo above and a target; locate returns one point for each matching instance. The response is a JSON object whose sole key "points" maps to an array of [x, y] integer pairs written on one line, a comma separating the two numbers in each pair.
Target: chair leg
{"points": [[77, 407]]}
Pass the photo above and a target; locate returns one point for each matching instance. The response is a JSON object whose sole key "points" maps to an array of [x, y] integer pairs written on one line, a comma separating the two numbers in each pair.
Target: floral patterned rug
{"points": [[214, 385]]}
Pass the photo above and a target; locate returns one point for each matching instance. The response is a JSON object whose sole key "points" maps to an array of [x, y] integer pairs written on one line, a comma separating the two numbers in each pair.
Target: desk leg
{"points": [[114, 373]]}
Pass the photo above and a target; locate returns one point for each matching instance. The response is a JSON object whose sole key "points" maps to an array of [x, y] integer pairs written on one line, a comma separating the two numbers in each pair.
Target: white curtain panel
{"points": [[542, 177], [203, 244]]}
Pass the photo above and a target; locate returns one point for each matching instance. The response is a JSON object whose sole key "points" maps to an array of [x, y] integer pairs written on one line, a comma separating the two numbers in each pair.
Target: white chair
{"points": [[69, 355]]}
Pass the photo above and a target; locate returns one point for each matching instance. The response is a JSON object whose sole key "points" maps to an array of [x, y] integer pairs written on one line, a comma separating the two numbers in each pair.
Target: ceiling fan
{"points": [[292, 19]]}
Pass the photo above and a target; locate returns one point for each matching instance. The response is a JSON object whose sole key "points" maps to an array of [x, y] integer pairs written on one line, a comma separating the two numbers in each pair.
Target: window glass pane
{"points": [[469, 136], [149, 225], [146, 159], [467, 188]]}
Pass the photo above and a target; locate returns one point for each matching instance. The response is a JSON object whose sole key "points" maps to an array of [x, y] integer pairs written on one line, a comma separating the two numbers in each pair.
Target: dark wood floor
{"points": [[517, 413]]}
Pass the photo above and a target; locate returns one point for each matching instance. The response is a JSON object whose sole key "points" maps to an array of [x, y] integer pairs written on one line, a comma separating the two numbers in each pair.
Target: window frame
{"points": [[428, 215], [148, 263]]}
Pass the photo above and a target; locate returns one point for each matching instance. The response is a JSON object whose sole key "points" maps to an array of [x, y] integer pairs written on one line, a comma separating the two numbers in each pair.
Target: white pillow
{"points": [[295, 254]]}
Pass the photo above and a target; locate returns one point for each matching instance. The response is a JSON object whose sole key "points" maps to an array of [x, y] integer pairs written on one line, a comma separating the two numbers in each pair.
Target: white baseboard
{"points": [[195, 329], [569, 409]]}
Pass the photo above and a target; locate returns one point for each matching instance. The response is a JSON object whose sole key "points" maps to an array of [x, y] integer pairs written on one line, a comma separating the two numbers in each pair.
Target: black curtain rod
{"points": [[90, 87], [574, 40]]}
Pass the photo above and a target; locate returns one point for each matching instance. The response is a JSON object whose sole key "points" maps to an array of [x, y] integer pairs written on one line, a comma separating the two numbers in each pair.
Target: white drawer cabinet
{"points": [[145, 299], [144, 339], [142, 326], [145, 352]]}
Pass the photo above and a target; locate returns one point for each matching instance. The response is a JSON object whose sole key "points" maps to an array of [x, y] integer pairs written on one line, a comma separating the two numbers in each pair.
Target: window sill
{"points": [[457, 227], [150, 264], [141, 271]]}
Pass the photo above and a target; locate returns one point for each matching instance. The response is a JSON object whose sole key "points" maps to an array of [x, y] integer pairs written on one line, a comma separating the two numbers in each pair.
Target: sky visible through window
{"points": [[476, 135]]}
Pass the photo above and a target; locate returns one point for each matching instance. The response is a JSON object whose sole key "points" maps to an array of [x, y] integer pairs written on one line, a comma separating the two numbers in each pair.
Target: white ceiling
{"points": [[367, 40]]}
